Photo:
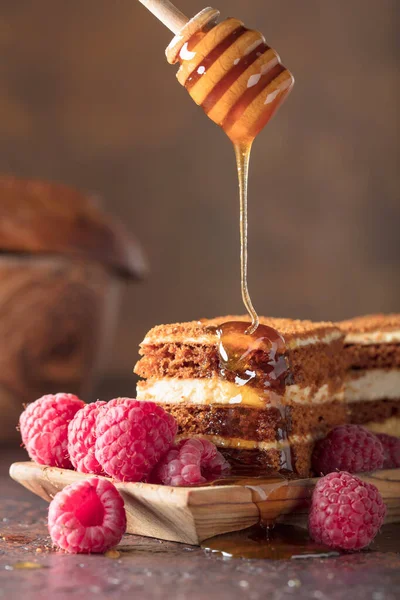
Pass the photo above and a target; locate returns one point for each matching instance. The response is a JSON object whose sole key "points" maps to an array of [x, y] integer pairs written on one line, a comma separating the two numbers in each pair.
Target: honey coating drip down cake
{"points": [[372, 386], [262, 399]]}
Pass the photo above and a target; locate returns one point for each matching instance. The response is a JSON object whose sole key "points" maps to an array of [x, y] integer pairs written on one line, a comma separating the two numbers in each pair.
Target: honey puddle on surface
{"points": [[266, 540], [285, 542], [281, 542]]}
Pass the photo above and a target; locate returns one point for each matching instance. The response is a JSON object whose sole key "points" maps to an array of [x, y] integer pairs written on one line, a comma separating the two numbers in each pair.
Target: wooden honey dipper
{"points": [[227, 69], [237, 79]]}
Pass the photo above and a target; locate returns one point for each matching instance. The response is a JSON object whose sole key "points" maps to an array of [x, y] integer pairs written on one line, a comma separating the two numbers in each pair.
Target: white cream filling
{"points": [[372, 384], [373, 337], [170, 390], [327, 339]]}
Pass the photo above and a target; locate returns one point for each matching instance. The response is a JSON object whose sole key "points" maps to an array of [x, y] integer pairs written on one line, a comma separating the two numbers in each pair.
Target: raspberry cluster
{"points": [[125, 439], [347, 512]]}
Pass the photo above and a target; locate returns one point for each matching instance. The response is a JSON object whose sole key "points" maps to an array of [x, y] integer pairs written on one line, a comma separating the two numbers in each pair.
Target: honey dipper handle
{"points": [[167, 13]]}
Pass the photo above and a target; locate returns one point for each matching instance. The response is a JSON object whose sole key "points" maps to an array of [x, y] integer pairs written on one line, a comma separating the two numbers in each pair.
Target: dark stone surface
{"points": [[146, 568]]}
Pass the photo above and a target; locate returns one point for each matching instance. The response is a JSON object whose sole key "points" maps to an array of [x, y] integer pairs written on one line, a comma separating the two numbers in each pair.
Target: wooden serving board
{"points": [[191, 515]]}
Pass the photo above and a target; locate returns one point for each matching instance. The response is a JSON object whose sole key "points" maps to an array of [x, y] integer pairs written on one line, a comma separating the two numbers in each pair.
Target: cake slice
{"points": [[372, 388], [264, 409]]}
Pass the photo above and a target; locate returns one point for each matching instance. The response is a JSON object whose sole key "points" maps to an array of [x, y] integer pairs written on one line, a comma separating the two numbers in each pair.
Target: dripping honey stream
{"points": [[242, 152]]}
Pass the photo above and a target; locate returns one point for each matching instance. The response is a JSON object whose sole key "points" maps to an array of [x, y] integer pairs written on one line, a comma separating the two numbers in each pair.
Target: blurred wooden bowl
{"points": [[62, 265]]}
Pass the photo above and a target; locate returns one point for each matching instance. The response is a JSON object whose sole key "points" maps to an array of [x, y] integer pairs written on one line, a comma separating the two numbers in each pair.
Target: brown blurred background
{"points": [[87, 98]]}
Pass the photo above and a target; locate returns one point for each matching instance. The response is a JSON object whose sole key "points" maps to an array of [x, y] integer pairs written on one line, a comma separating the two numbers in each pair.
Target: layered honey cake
{"points": [[372, 388], [262, 398]]}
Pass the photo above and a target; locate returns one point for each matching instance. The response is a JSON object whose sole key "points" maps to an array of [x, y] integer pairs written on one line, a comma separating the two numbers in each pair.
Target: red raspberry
{"points": [[131, 437], [81, 439], [391, 448], [345, 512], [349, 448], [87, 516], [44, 428], [191, 462]]}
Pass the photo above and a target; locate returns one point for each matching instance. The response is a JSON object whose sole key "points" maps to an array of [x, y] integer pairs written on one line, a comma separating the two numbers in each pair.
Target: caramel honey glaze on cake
{"points": [[252, 424], [372, 387]]}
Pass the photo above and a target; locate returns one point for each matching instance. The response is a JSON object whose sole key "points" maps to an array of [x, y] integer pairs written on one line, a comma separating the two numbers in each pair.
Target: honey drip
{"points": [[252, 357], [242, 152], [256, 359]]}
